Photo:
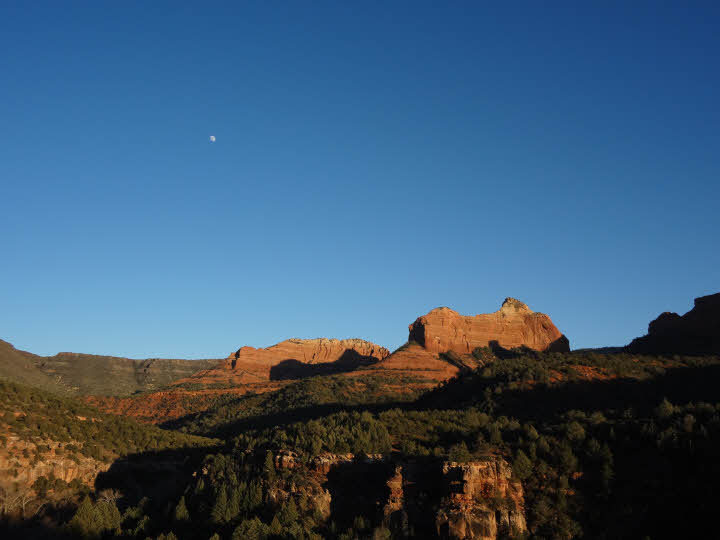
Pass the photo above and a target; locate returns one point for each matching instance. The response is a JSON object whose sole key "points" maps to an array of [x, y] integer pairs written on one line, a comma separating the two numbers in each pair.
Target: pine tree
{"points": [[269, 466], [219, 510], [288, 513], [181, 511], [250, 529], [84, 522], [276, 526], [255, 495], [233, 507], [522, 466], [459, 453]]}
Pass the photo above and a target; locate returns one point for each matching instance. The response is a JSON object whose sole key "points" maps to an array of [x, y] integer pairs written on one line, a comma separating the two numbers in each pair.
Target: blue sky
{"points": [[373, 160]]}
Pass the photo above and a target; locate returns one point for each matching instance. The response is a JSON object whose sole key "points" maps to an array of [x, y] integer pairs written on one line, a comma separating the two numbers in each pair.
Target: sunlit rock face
{"points": [[473, 500], [513, 325], [483, 501], [290, 358]]}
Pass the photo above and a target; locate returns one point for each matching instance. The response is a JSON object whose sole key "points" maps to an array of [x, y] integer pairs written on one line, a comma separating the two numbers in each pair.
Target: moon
{"points": [[212, 138]]}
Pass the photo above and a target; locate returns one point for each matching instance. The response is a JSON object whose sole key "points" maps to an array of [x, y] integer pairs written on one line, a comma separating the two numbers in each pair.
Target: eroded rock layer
{"points": [[513, 325], [696, 332], [414, 360], [478, 499], [295, 358], [471, 508]]}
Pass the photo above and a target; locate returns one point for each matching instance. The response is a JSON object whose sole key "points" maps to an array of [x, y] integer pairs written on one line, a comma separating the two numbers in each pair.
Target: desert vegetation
{"points": [[604, 445]]}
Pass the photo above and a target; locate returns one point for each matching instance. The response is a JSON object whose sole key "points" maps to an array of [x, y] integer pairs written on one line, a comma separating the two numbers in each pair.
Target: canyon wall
{"points": [[295, 358], [478, 499]]}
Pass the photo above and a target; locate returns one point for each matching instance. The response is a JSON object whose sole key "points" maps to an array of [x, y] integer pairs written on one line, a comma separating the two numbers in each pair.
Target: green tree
{"points": [[269, 466], [91, 520], [460, 453], [181, 511], [220, 508], [522, 466], [665, 409], [288, 513], [251, 529]]}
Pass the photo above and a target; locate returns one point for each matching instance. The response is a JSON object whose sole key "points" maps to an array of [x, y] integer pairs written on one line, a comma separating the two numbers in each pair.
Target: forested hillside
{"points": [[53, 448], [603, 445]]}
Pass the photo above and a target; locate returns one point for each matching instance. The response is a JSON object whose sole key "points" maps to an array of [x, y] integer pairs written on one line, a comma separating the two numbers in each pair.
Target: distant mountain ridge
{"points": [[77, 373]]}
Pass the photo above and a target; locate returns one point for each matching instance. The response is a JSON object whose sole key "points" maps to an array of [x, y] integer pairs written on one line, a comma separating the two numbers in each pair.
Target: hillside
{"points": [[53, 449], [493, 443], [563, 445], [21, 366], [109, 375], [83, 374]]}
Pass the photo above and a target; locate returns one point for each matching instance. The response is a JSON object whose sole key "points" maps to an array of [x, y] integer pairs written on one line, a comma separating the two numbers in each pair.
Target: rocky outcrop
{"points": [[19, 466], [696, 332], [482, 501], [478, 500], [513, 325], [296, 358], [413, 360]]}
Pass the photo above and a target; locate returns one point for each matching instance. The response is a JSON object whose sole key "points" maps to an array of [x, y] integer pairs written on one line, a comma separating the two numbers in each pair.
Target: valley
{"points": [[486, 426]]}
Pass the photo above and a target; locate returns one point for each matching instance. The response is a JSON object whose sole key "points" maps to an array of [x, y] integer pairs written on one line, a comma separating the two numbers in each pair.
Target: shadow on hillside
{"points": [[679, 385], [358, 488], [157, 478], [300, 414], [540, 402], [160, 475], [295, 369]]}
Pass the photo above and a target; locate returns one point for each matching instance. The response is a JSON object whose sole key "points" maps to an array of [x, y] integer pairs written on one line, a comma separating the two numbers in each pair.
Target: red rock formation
{"points": [[294, 357], [478, 499], [513, 325], [414, 360], [17, 469], [396, 498], [696, 332], [483, 500]]}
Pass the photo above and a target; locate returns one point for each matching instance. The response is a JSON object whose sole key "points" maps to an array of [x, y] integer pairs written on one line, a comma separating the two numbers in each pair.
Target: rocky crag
{"points": [[442, 342], [513, 325], [23, 462], [482, 501], [478, 499], [291, 359], [696, 332]]}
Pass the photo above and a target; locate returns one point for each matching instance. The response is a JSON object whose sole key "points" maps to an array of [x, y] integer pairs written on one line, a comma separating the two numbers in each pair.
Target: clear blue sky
{"points": [[373, 161]]}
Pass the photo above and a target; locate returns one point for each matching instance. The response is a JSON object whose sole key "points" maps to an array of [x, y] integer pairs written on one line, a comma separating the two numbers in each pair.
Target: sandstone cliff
{"points": [[513, 325], [22, 462], [696, 332], [478, 500], [295, 358], [482, 501]]}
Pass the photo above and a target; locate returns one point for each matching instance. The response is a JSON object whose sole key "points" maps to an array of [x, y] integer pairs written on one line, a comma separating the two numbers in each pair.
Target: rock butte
{"points": [[513, 325], [440, 331], [292, 357], [696, 332]]}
